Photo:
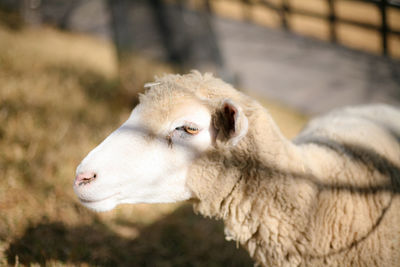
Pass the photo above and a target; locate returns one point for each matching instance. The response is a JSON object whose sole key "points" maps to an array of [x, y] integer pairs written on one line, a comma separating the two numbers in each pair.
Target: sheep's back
{"points": [[374, 128], [359, 201]]}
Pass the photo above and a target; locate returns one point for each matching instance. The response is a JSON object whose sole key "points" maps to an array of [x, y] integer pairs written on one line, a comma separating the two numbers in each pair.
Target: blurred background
{"points": [[70, 73]]}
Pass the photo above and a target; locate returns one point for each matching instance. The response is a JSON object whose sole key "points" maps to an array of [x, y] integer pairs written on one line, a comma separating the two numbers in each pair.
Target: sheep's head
{"points": [[147, 159]]}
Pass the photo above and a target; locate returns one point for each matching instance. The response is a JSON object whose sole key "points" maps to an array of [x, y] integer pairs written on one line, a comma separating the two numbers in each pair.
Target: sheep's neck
{"points": [[256, 195], [271, 204]]}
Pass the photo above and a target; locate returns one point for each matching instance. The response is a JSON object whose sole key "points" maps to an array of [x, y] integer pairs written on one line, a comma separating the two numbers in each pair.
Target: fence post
{"points": [[284, 11], [384, 26], [332, 21]]}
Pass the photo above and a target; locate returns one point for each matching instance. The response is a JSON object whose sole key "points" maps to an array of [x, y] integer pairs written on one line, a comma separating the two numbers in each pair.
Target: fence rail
{"points": [[284, 10]]}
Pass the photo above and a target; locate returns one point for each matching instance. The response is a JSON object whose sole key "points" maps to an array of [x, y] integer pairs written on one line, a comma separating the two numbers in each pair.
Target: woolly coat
{"points": [[330, 197]]}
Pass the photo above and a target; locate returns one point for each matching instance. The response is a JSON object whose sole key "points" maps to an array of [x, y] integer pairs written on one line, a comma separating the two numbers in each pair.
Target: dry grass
{"points": [[59, 97]]}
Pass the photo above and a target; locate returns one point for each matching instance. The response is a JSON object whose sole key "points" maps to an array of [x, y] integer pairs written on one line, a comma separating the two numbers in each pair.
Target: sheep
{"points": [[329, 197]]}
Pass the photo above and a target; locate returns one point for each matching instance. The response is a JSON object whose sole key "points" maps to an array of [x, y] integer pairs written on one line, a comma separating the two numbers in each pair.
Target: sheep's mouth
{"points": [[88, 201]]}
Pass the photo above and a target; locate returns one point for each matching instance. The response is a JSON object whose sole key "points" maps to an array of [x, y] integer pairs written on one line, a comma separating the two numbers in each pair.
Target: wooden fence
{"points": [[383, 18]]}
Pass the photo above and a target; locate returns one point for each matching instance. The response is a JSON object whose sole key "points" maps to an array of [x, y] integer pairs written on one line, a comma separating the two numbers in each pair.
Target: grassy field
{"points": [[59, 97]]}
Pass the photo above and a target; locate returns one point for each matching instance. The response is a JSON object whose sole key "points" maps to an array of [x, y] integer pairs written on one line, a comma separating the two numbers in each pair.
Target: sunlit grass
{"points": [[59, 97]]}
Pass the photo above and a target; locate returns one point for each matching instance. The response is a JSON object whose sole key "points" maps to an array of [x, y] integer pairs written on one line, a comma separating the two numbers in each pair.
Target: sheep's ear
{"points": [[230, 122]]}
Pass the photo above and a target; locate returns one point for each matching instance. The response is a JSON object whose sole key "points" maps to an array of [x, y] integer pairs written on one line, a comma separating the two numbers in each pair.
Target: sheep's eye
{"points": [[191, 130], [188, 129]]}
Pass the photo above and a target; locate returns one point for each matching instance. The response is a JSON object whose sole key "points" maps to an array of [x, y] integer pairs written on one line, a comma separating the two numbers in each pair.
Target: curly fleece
{"points": [[330, 197]]}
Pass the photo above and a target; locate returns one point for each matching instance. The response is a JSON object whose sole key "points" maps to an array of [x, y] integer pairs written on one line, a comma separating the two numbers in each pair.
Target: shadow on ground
{"points": [[179, 239]]}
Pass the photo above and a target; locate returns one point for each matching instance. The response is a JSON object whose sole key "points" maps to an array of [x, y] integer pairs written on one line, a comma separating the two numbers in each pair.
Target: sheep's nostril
{"points": [[85, 178]]}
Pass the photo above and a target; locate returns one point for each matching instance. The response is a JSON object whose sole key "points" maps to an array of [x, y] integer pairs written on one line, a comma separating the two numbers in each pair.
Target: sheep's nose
{"points": [[85, 178]]}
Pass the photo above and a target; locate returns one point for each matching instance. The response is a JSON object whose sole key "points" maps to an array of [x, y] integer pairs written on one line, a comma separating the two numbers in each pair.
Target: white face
{"points": [[133, 166]]}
